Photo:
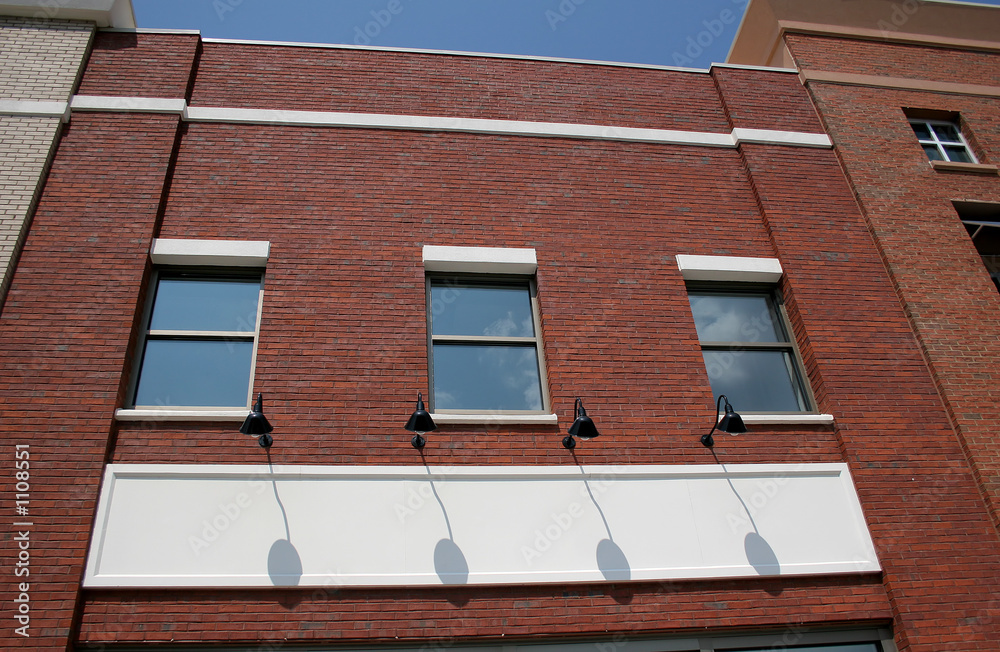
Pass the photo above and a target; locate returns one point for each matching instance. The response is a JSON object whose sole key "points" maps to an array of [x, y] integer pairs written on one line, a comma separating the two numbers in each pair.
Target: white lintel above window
{"points": [[480, 260], [228, 253], [729, 268]]}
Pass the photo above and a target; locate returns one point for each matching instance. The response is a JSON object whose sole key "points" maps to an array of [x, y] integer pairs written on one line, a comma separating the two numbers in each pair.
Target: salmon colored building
{"points": [[314, 347]]}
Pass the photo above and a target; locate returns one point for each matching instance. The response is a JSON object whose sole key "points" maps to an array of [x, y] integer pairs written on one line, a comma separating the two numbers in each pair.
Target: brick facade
{"points": [[908, 205], [343, 339]]}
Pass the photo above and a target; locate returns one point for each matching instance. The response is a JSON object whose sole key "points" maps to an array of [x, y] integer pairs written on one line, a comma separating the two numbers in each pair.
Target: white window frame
{"points": [[213, 257], [940, 144], [740, 272], [486, 264]]}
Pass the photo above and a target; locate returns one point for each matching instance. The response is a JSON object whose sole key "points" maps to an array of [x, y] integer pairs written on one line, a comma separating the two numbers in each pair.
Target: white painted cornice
{"points": [[103, 13]]}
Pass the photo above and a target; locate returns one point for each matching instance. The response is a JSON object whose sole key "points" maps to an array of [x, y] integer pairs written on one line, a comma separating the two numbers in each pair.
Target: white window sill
{"points": [[498, 419], [778, 419], [193, 414]]}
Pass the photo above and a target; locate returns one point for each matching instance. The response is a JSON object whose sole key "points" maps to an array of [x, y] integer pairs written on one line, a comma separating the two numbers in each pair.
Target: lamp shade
{"points": [[256, 423], [583, 427], [731, 422], [420, 421]]}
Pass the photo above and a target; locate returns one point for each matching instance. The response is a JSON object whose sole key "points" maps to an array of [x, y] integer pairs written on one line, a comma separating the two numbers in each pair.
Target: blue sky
{"points": [[690, 33]]}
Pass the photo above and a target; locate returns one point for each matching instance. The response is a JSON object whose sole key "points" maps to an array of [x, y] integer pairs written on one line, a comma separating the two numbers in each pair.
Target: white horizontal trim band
{"points": [[445, 123], [499, 419], [771, 137], [468, 125], [32, 108], [472, 472], [153, 30], [142, 414], [138, 104]]}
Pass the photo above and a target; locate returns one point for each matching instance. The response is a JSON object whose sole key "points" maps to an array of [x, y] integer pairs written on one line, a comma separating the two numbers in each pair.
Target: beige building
{"points": [[43, 47]]}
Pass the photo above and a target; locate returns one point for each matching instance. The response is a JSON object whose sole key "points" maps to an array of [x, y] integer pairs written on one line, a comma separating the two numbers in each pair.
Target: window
{"points": [[986, 237], [748, 351], [199, 339], [982, 222], [942, 140], [485, 345]]}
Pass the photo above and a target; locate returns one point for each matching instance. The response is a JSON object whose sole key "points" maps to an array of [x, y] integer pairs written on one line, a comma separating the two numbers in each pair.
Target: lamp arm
{"points": [[707, 440]]}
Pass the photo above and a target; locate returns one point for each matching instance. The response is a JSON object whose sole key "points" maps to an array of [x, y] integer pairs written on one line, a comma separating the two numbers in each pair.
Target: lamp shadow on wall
{"points": [[449, 560], [284, 565], [759, 553], [611, 559]]}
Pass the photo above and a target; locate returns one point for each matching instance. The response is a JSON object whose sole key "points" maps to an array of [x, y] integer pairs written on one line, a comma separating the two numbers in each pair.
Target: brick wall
{"points": [[342, 347], [317, 79], [64, 338], [130, 64], [950, 301], [41, 59], [910, 61]]}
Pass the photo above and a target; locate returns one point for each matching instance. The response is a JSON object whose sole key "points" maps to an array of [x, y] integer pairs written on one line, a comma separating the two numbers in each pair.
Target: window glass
{"points": [[466, 309], [958, 154], [196, 373], [198, 347], [734, 317], [762, 381], [850, 647], [492, 377], [922, 129], [205, 304], [946, 132], [748, 354], [485, 350], [942, 141], [985, 236]]}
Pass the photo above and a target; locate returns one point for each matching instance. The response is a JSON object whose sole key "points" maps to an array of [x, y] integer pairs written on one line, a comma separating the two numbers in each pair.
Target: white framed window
{"points": [[199, 342], [485, 344], [747, 344], [748, 348], [197, 348], [942, 140], [485, 355]]}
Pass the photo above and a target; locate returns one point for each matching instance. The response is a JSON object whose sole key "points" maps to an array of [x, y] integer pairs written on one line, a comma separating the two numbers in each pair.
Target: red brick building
{"points": [[889, 79], [342, 229]]}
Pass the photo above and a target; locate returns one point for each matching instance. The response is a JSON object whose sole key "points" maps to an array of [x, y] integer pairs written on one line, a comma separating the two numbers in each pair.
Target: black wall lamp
{"points": [[730, 422], [256, 424], [583, 427], [420, 422]]}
